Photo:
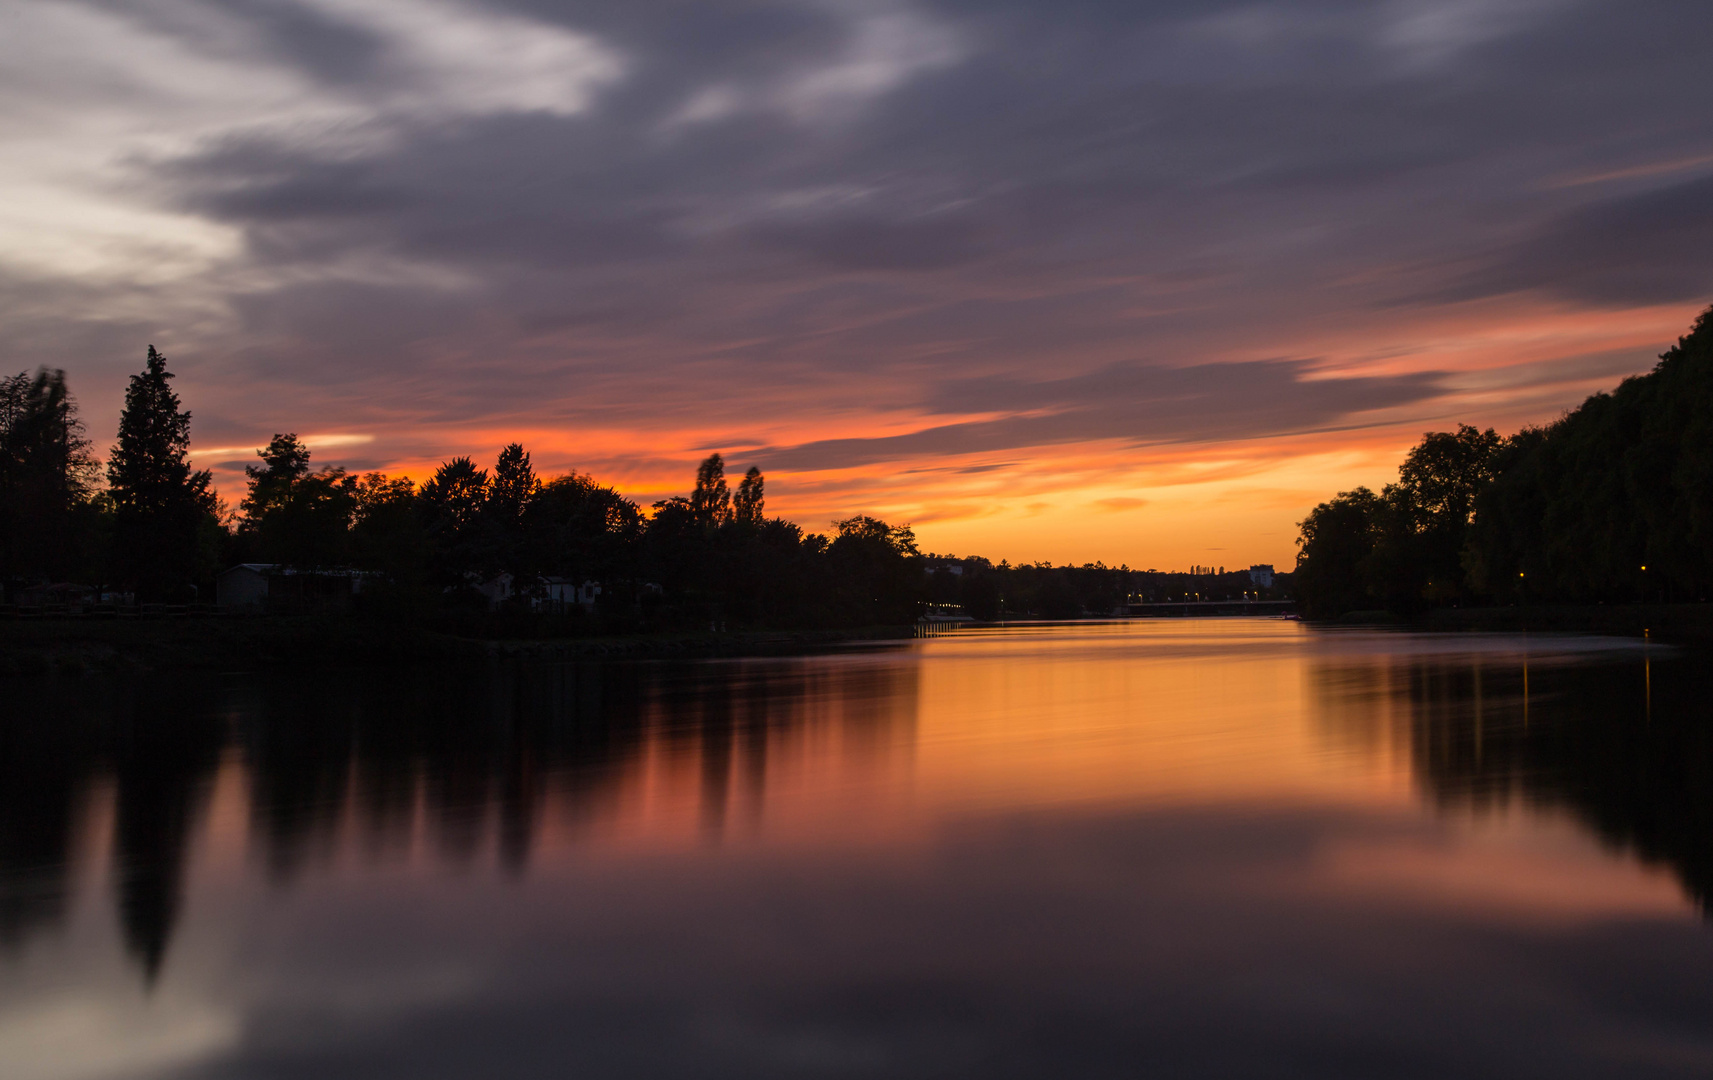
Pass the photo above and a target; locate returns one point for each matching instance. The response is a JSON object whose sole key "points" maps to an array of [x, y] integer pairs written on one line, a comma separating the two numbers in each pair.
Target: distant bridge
{"points": [[1179, 609]]}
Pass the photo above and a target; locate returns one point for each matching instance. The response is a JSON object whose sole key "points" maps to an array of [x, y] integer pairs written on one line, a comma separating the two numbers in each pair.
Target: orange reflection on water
{"points": [[797, 750], [875, 745], [1158, 711], [1190, 806]]}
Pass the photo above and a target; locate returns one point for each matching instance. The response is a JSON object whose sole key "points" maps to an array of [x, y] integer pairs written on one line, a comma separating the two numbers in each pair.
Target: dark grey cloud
{"points": [[875, 243], [1138, 403], [883, 199], [1646, 247], [325, 47], [1121, 137]]}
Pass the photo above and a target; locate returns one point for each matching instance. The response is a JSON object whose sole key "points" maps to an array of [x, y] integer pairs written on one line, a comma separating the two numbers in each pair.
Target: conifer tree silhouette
{"points": [[158, 501], [711, 502], [748, 505]]}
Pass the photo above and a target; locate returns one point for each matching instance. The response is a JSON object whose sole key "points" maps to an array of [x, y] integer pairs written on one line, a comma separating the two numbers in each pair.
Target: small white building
{"points": [[65, 594], [563, 593], [244, 587], [271, 586], [498, 589], [1261, 575]]}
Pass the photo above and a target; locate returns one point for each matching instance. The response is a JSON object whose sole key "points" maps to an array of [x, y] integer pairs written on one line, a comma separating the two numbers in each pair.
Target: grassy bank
{"points": [[70, 646]]}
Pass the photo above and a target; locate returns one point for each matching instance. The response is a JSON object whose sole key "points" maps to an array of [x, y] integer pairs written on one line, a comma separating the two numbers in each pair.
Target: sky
{"points": [[1078, 280]]}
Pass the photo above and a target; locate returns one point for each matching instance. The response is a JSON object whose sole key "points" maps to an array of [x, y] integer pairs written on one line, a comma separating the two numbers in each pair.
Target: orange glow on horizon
{"points": [[1229, 502]]}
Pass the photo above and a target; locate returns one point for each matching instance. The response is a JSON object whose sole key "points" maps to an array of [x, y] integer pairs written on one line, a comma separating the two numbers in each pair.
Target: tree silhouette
{"points": [[1337, 543], [711, 501], [387, 531], [748, 505], [877, 569], [580, 529], [452, 503], [1442, 475], [47, 477], [1613, 502], [456, 493], [514, 487], [510, 494], [1434, 506], [284, 462], [158, 502], [294, 516], [1624, 481]]}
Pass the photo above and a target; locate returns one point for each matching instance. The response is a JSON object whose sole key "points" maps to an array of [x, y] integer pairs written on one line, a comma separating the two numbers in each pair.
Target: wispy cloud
{"points": [[1138, 404], [313, 442], [951, 259]]}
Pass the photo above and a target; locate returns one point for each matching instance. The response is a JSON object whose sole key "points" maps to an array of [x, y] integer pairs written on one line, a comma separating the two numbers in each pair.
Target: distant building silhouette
{"points": [[273, 587]]}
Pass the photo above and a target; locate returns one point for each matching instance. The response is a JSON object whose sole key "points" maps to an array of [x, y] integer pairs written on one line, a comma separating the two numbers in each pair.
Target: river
{"points": [[1196, 848]]}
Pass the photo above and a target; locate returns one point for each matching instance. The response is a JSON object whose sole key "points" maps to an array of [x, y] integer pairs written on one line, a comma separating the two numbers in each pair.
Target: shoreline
{"points": [[67, 646], [1661, 622], [73, 646]]}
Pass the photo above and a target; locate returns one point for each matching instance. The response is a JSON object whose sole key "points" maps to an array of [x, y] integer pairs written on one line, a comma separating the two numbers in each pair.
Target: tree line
{"points": [[713, 557], [149, 527], [989, 592], [1611, 503], [153, 526], [156, 530]]}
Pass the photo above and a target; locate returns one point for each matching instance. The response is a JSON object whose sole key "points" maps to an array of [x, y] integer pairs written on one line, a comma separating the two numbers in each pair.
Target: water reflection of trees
{"points": [[461, 746], [370, 763], [44, 775], [155, 746], [1626, 746]]}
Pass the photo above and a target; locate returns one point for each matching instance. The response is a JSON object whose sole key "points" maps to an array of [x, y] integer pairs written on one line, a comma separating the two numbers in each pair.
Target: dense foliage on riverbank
{"points": [[156, 533], [1612, 503], [494, 553]]}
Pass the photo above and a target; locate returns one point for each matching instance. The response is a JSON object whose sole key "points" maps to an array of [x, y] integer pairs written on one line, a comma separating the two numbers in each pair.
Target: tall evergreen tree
{"points": [[711, 502], [46, 479], [510, 493], [749, 503], [14, 393], [513, 488], [158, 502]]}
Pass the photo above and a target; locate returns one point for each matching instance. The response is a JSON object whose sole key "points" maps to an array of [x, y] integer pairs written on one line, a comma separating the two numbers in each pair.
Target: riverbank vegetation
{"points": [[495, 552], [1612, 503]]}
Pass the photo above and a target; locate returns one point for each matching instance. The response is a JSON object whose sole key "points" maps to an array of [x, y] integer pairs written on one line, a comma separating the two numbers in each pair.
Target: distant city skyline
{"points": [[1135, 283]]}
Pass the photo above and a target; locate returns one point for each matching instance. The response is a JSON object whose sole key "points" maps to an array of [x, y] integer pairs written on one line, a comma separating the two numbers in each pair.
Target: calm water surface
{"points": [[1188, 848]]}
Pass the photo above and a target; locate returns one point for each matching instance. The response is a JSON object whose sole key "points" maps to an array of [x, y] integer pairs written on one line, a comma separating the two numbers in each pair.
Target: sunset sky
{"points": [[1084, 279]]}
